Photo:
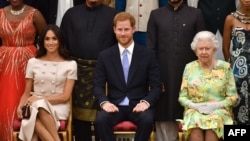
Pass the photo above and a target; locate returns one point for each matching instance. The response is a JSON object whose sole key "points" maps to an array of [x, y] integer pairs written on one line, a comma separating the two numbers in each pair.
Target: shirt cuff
{"points": [[103, 103], [145, 102]]}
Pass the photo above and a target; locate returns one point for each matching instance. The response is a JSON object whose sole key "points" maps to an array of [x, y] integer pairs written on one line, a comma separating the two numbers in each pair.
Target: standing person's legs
{"points": [[82, 130], [166, 131]]}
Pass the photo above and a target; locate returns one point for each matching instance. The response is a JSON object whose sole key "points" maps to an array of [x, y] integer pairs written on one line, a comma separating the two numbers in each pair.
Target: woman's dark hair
{"points": [[62, 45]]}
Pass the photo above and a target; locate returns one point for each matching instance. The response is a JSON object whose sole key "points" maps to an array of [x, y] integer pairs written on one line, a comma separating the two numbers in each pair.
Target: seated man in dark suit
{"points": [[129, 71]]}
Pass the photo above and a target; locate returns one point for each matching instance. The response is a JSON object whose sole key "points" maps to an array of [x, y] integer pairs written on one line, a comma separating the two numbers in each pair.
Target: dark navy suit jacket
{"points": [[144, 72]]}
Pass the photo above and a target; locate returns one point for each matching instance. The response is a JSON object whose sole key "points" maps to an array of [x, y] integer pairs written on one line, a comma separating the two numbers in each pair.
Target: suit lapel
{"points": [[136, 58], [118, 64]]}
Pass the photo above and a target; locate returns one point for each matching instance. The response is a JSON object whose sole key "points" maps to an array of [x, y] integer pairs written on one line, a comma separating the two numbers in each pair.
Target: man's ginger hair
{"points": [[123, 16]]}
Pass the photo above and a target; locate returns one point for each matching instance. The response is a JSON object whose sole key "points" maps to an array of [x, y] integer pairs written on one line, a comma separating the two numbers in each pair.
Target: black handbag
{"points": [[26, 112]]}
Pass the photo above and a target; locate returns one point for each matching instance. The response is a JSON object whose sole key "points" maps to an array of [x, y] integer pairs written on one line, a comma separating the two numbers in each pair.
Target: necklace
{"points": [[18, 12], [244, 18], [241, 14]]}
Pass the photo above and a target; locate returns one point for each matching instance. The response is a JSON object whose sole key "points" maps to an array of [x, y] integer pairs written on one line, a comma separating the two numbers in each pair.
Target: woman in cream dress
{"points": [[50, 78]]}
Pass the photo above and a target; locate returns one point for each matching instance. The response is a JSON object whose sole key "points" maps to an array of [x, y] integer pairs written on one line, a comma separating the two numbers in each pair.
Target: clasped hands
{"points": [[110, 108], [206, 108]]}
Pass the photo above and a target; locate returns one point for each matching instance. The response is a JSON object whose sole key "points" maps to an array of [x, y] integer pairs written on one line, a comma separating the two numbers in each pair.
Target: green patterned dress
{"points": [[201, 85]]}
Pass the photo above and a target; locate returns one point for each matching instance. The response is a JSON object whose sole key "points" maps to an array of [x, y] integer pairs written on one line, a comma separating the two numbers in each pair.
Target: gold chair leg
{"points": [[152, 136], [15, 136], [180, 136], [64, 135]]}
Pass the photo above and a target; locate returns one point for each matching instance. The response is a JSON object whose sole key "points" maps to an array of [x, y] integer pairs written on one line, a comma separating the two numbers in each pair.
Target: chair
{"points": [[65, 129], [126, 130], [180, 131]]}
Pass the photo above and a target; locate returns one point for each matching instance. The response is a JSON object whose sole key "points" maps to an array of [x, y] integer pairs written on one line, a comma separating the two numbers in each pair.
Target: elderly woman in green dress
{"points": [[208, 92]]}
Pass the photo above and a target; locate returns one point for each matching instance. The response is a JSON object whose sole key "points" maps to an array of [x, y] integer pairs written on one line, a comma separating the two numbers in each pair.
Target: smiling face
{"points": [[124, 32], [51, 42], [205, 51]]}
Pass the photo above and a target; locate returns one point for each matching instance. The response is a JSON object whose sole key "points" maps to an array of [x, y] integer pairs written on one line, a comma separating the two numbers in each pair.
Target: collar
{"points": [[171, 7], [130, 48]]}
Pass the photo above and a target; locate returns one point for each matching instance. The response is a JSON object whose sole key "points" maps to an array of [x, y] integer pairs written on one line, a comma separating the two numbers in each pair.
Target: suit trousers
{"points": [[106, 121]]}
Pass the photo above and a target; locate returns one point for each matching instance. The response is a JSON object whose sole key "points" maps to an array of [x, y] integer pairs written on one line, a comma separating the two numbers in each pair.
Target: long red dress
{"points": [[17, 47]]}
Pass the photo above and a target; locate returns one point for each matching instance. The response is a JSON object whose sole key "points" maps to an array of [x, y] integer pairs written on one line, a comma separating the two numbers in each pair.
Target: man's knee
{"points": [[101, 118]]}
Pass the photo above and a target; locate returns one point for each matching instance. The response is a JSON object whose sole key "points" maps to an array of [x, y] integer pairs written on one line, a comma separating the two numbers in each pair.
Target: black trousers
{"points": [[82, 131], [106, 121]]}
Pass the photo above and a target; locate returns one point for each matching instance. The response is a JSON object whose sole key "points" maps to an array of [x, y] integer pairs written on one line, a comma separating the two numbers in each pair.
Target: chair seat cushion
{"points": [[125, 126], [17, 125]]}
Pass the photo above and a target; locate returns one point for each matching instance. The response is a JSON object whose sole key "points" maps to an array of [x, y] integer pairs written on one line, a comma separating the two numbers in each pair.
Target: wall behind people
{"points": [[140, 9]]}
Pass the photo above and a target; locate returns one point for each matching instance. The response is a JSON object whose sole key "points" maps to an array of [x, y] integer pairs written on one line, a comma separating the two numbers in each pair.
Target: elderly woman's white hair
{"points": [[205, 35]]}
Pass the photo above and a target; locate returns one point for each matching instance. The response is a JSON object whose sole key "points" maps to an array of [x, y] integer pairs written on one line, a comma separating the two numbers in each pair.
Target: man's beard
{"points": [[174, 1], [94, 4]]}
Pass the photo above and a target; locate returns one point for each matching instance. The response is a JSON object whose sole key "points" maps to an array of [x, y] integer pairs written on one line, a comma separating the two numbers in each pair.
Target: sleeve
{"points": [[100, 80], [183, 94], [29, 73], [152, 32], [66, 27], [72, 74], [154, 80], [231, 96]]}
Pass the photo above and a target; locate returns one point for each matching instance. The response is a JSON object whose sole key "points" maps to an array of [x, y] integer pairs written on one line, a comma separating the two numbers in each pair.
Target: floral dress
{"points": [[200, 85]]}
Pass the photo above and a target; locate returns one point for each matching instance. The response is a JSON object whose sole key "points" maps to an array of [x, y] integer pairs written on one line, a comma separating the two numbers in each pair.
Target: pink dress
{"points": [[17, 48]]}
